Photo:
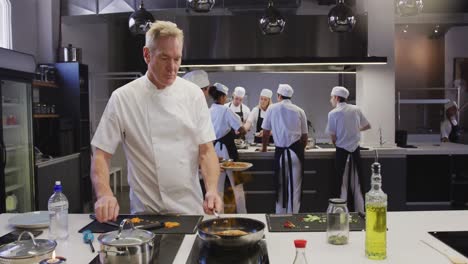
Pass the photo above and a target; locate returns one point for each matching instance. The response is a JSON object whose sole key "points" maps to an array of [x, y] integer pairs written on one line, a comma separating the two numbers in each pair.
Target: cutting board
{"points": [[188, 224], [276, 222]]}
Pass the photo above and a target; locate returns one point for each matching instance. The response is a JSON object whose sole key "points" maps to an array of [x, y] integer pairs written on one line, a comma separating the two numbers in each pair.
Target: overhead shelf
{"points": [[11, 170], [424, 101], [11, 104], [11, 126], [13, 148], [13, 187], [46, 116], [37, 83]]}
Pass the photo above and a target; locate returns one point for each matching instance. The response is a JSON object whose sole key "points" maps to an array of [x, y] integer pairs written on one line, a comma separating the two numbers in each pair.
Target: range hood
{"points": [[235, 43], [226, 39]]}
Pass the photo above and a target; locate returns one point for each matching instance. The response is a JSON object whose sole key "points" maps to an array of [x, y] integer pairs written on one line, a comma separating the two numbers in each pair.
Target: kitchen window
{"points": [[5, 24]]}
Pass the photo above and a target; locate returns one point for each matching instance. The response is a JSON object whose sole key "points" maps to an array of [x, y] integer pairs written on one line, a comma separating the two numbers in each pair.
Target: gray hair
{"points": [[162, 29]]}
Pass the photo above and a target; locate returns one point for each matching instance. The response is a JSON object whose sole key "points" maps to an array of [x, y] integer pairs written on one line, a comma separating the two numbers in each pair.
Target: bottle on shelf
{"points": [[376, 217], [58, 214], [300, 245]]}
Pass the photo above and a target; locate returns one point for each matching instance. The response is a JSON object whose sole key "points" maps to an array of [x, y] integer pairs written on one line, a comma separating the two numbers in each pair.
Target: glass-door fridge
{"points": [[16, 146]]}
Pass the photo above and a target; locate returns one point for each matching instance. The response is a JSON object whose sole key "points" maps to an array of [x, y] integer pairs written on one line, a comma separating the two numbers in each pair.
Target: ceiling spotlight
{"points": [[272, 22], [436, 29], [341, 18], [409, 7], [140, 21], [201, 6]]}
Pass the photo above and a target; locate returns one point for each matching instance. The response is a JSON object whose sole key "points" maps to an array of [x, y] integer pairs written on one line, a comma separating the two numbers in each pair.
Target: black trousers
{"points": [[340, 165]]}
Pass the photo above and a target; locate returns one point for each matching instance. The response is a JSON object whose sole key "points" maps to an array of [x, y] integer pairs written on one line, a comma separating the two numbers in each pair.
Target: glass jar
{"points": [[337, 222], [44, 109]]}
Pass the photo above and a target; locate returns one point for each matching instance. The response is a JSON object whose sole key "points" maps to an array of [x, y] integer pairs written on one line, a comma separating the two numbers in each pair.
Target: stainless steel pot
{"points": [[26, 251], [127, 246], [207, 231], [70, 54]]}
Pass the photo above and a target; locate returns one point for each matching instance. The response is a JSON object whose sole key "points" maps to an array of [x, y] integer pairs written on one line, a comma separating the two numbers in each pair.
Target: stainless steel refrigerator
{"points": [[16, 146]]}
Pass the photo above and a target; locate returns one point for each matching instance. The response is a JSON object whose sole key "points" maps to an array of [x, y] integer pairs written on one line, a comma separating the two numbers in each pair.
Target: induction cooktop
{"points": [[458, 240], [203, 254]]}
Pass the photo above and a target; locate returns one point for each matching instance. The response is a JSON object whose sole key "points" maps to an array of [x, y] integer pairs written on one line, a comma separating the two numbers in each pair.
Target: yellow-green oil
{"points": [[376, 231]]}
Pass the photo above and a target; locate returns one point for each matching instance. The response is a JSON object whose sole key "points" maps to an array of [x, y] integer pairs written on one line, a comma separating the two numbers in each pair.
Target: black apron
{"points": [[228, 142], [281, 184], [340, 163], [259, 128], [455, 133], [241, 115]]}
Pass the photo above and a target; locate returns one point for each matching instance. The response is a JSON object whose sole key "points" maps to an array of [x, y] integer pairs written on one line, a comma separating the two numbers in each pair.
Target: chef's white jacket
{"points": [[161, 131], [345, 121], [236, 109], [446, 127], [287, 122], [223, 119], [253, 117]]}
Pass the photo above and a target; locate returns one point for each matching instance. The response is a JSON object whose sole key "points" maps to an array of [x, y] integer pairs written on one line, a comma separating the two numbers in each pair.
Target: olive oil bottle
{"points": [[376, 217]]}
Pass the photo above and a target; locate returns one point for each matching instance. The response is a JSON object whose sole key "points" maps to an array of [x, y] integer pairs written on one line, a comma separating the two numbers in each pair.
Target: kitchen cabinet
{"points": [[393, 171], [47, 104], [318, 171], [73, 78], [428, 181], [260, 185], [65, 169]]}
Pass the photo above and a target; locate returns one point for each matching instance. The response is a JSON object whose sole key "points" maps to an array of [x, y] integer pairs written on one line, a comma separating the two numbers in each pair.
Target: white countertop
{"points": [[406, 229], [385, 151]]}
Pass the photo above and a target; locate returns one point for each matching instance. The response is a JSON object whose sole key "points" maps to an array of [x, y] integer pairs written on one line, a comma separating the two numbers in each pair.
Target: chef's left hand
{"points": [[212, 202]]}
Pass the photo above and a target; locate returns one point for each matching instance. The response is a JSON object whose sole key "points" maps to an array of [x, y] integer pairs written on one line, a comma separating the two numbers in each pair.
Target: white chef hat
{"points": [[267, 93], [340, 91], [239, 91], [285, 90], [451, 104], [198, 77], [222, 88]]}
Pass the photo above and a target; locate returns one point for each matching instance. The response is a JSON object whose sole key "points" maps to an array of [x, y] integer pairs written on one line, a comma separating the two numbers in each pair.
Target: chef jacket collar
{"points": [[153, 89]]}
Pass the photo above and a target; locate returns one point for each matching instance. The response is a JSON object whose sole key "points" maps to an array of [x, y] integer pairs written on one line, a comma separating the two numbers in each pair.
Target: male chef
{"points": [[200, 78], [449, 128], [237, 104], [288, 123], [165, 128], [345, 123]]}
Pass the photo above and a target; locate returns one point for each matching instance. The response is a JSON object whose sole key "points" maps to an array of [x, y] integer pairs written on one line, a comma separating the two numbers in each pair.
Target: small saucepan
{"points": [[26, 251], [127, 246], [231, 232]]}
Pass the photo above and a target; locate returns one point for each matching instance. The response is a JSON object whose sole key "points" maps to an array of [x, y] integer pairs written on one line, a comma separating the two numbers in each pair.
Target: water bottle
{"points": [[58, 214]]}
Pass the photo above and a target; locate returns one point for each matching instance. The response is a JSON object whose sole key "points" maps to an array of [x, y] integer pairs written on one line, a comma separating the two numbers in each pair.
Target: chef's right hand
{"points": [[212, 202], [106, 208]]}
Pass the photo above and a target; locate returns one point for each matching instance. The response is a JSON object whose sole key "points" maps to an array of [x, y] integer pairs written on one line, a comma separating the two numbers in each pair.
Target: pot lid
{"points": [[128, 237], [27, 248]]}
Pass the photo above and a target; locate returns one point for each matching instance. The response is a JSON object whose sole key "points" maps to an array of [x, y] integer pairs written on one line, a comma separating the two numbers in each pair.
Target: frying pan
{"points": [[207, 232]]}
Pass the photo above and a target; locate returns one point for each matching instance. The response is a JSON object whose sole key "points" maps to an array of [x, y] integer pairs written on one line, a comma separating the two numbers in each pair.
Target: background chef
{"points": [[345, 123], [226, 123], [200, 78], [237, 104], [288, 123], [449, 128], [257, 115], [164, 125]]}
